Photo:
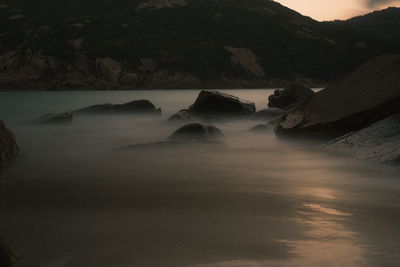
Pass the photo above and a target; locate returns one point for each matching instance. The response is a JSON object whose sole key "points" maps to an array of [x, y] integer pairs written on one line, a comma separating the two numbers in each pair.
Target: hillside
{"points": [[103, 44], [383, 23]]}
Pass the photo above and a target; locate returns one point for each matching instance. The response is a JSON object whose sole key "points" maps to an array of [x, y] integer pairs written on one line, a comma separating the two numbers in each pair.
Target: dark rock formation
{"points": [[8, 146], [7, 258], [287, 97], [55, 118], [137, 107], [196, 132], [378, 142], [181, 116], [219, 104], [268, 113], [367, 95]]}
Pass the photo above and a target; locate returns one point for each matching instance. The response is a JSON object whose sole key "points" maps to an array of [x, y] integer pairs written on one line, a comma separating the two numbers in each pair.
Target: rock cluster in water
{"points": [[363, 98]]}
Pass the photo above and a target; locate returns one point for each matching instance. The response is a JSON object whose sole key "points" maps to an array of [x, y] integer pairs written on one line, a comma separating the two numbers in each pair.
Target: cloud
{"points": [[376, 3]]}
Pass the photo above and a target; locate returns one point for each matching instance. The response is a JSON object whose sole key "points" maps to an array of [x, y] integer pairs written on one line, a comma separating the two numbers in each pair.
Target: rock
{"points": [[219, 104], [287, 97], [109, 69], [247, 59], [379, 142], [8, 146], [136, 107], [260, 128], [365, 96], [55, 118], [7, 258], [268, 113], [181, 116], [196, 132], [267, 126]]}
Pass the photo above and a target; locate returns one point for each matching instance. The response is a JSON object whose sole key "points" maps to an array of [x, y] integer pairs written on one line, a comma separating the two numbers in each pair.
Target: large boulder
{"points": [[365, 96], [196, 132], [7, 258], [287, 97], [136, 107], [378, 142], [219, 104], [8, 146]]}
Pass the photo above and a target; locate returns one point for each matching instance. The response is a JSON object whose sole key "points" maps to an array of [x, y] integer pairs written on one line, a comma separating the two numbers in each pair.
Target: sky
{"points": [[336, 9]]}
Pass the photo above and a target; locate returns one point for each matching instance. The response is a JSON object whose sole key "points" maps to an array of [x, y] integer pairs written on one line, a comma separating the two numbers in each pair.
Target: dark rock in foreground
{"points": [[196, 132], [365, 96], [8, 146], [285, 98], [7, 258], [55, 118], [268, 113], [219, 104], [136, 107], [378, 142], [181, 116]]}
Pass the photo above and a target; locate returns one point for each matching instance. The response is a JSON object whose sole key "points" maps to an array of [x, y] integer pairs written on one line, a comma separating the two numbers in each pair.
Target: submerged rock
{"points": [[196, 132], [190, 134], [365, 96], [7, 258], [287, 97], [137, 106], [266, 126], [219, 104], [261, 128], [181, 116], [55, 118], [8, 146], [378, 142], [268, 113]]}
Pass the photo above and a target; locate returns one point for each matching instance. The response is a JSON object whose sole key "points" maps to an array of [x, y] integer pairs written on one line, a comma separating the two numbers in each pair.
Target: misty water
{"points": [[71, 199]]}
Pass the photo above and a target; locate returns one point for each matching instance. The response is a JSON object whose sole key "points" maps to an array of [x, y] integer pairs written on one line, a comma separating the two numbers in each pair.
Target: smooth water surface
{"points": [[71, 199]]}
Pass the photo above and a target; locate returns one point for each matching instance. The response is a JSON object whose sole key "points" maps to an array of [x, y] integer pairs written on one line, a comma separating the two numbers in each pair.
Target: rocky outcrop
{"points": [[55, 118], [287, 97], [196, 132], [366, 96], [378, 142], [8, 146], [247, 60], [219, 104], [136, 107], [7, 258], [109, 69]]}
